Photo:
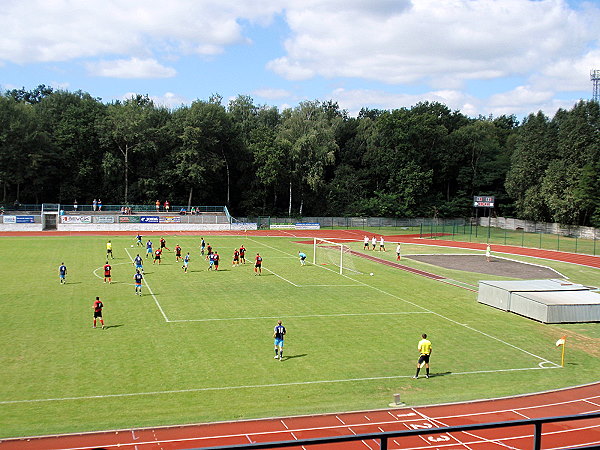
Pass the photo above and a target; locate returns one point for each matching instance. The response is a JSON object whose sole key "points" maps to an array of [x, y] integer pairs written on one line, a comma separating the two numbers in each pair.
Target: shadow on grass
{"points": [[285, 358], [113, 326], [439, 374]]}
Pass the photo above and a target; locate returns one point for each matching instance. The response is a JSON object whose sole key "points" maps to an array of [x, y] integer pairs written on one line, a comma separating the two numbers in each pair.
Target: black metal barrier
{"points": [[383, 437]]}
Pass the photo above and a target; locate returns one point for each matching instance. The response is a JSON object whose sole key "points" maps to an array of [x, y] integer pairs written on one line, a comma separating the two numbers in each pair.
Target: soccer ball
{"points": [[132, 245], [371, 274]]}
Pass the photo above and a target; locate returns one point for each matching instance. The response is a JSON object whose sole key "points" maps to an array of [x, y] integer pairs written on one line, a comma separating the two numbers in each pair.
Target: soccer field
{"points": [[198, 346]]}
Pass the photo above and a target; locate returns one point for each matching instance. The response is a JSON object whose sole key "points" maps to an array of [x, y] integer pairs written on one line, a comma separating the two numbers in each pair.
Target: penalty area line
{"points": [[217, 319], [257, 386]]}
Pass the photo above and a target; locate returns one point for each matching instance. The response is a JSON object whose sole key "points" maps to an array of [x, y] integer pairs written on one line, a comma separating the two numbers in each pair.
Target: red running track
{"points": [[577, 400]]}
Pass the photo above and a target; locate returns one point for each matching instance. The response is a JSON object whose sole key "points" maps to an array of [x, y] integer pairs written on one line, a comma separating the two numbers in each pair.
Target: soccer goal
{"points": [[331, 253]]}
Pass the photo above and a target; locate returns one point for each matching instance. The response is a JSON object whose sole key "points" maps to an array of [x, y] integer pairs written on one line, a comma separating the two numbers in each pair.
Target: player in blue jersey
{"points": [[138, 240], [302, 258], [186, 261], [278, 334], [149, 251], [137, 278], [62, 273], [137, 262]]}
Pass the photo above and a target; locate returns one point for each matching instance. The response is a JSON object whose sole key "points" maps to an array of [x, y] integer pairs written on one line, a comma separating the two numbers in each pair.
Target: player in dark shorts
{"points": [[424, 349], [258, 264], [98, 312], [157, 254], [236, 257], [208, 251], [242, 254], [178, 253], [163, 244], [216, 258], [107, 275]]}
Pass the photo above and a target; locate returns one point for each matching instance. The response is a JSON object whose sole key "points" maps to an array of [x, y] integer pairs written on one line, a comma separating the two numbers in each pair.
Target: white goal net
{"points": [[339, 256]]}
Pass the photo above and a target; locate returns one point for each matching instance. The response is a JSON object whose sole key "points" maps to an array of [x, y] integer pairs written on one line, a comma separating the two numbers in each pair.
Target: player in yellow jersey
{"points": [[424, 349], [109, 250]]}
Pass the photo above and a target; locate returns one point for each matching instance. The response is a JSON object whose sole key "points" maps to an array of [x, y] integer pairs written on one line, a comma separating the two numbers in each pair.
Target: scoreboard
{"points": [[483, 201]]}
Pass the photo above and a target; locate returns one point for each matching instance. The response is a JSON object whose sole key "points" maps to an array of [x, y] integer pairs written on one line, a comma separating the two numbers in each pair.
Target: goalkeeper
{"points": [[302, 257]]}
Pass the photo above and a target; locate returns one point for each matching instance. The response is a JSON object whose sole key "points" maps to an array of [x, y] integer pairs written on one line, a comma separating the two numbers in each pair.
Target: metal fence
{"points": [[384, 437]]}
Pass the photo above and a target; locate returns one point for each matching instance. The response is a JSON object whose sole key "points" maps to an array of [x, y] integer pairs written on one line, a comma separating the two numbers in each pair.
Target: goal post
{"points": [[332, 253]]}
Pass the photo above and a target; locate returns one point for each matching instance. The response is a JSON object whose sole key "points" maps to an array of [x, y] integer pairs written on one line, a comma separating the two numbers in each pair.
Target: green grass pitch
{"points": [[198, 347]]}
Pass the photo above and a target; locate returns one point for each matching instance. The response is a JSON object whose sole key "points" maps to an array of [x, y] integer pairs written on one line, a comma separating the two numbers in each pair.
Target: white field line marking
{"points": [[216, 319], [284, 279], [95, 271], [395, 418], [252, 386], [441, 316], [150, 290], [381, 422]]}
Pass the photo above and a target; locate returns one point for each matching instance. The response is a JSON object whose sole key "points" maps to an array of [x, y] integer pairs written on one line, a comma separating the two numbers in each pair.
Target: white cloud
{"points": [[355, 99], [444, 44], [131, 68], [271, 93], [61, 30], [168, 99]]}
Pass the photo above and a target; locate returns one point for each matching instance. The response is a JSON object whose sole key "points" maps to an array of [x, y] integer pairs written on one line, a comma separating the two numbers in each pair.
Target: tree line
{"points": [[311, 160]]}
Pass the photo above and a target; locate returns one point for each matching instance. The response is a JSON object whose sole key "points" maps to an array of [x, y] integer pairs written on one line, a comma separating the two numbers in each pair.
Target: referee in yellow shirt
{"points": [[424, 351]]}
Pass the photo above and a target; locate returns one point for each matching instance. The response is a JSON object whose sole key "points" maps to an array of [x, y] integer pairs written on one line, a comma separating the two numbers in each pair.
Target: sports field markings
{"points": [[150, 290], [253, 386], [544, 360], [310, 285], [300, 316]]}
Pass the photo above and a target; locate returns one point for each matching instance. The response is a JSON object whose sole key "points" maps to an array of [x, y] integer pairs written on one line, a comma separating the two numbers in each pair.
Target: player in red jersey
{"points": [[107, 269], [163, 244], [242, 254], [157, 254], [258, 265], [236, 257], [178, 253], [216, 258], [98, 305]]}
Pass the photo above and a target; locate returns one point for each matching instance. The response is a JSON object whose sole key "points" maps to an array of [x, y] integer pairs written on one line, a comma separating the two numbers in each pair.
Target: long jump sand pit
{"points": [[497, 266]]}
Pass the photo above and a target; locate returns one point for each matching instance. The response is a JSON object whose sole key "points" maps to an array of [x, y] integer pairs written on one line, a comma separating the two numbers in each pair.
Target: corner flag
{"points": [[561, 343]]}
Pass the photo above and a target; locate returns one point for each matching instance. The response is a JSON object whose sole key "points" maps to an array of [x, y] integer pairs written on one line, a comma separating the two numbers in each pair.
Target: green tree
{"points": [[306, 135]]}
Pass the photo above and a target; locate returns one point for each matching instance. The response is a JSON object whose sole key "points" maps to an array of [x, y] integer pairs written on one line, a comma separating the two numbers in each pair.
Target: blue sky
{"points": [[477, 56]]}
